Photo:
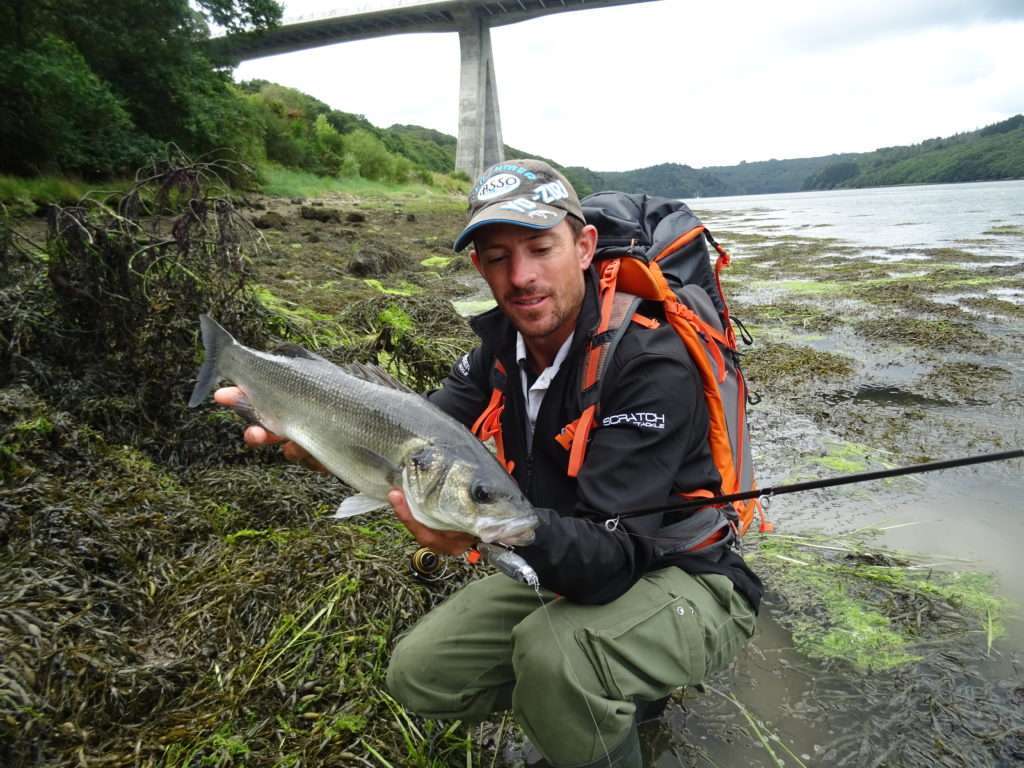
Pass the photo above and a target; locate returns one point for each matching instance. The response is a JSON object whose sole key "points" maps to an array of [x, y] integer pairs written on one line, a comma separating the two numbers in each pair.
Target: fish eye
{"points": [[480, 494]]}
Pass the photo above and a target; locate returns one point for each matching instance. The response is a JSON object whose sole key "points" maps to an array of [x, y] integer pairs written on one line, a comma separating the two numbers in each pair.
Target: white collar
{"points": [[548, 373]]}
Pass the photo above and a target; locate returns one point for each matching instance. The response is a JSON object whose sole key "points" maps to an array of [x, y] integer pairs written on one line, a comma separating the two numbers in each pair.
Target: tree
{"points": [[149, 55]]}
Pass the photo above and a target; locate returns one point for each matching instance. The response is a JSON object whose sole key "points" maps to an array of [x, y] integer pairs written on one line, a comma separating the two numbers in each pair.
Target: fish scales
{"points": [[374, 436]]}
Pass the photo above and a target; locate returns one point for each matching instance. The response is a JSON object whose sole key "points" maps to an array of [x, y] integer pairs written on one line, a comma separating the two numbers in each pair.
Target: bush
{"points": [[375, 162], [349, 166], [330, 146], [401, 170]]}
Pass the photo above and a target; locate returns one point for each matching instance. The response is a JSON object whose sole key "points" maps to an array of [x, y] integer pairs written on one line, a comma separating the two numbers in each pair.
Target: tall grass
{"points": [[22, 195], [25, 195], [279, 181]]}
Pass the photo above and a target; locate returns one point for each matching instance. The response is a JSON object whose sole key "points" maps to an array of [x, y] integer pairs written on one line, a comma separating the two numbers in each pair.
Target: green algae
{"points": [[470, 307], [295, 321], [397, 320], [1006, 229], [800, 316], [439, 262], [846, 457], [871, 608], [403, 288], [994, 305], [809, 287]]}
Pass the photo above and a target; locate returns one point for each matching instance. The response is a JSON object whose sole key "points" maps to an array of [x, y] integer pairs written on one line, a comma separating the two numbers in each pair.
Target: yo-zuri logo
{"points": [[497, 186]]}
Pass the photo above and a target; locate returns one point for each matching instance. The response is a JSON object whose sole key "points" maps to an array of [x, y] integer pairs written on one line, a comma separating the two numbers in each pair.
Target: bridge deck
{"points": [[361, 21]]}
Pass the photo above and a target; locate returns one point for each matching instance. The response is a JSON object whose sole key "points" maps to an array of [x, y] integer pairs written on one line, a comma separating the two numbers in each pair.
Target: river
{"points": [[886, 218], [960, 250]]}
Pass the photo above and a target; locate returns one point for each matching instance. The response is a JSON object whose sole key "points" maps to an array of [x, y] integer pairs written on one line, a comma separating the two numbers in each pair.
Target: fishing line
{"points": [[572, 672]]}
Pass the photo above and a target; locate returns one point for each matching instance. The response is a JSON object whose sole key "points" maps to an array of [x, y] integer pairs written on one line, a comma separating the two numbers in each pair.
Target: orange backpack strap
{"points": [[617, 310], [488, 423], [721, 263]]}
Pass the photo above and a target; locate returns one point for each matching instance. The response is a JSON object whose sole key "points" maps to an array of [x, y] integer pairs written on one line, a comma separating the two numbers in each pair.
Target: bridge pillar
{"points": [[480, 143]]}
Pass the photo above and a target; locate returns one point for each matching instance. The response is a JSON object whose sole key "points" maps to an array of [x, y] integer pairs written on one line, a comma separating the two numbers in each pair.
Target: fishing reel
{"points": [[427, 565]]}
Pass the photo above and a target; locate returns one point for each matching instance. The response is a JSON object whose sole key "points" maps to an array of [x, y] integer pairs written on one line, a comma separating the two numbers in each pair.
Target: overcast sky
{"points": [[700, 83]]}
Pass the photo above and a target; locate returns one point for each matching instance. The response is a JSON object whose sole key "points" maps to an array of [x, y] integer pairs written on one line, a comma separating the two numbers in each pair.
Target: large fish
{"points": [[374, 434]]}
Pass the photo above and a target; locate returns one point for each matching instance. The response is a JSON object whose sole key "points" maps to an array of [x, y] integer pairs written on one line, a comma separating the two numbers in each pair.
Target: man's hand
{"points": [[256, 435], [446, 542]]}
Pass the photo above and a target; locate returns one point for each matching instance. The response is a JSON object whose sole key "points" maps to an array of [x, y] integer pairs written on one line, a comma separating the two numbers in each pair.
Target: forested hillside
{"points": [[92, 94], [994, 152], [92, 89], [668, 179]]}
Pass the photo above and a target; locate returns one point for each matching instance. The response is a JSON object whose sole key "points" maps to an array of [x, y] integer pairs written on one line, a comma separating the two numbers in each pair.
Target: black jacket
{"points": [[631, 462]]}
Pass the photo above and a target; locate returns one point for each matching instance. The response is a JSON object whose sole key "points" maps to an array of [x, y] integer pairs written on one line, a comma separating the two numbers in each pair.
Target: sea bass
{"points": [[374, 434]]}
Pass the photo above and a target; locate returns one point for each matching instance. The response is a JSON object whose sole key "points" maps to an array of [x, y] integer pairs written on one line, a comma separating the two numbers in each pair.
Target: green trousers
{"points": [[571, 673]]}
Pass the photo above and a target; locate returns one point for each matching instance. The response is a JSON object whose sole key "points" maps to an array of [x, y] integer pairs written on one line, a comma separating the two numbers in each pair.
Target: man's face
{"points": [[536, 276]]}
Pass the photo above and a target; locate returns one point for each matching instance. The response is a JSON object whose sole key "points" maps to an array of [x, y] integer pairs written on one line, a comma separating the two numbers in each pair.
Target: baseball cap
{"points": [[527, 193]]}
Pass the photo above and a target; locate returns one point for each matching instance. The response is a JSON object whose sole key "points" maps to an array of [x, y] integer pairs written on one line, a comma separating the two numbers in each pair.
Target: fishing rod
{"points": [[828, 482], [426, 563]]}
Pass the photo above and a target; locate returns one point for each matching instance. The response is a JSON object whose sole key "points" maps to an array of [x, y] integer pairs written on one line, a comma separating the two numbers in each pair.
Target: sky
{"points": [[698, 83]]}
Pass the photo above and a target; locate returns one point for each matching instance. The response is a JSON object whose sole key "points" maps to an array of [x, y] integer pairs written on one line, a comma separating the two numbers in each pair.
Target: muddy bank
{"points": [[173, 598], [869, 358], [169, 596]]}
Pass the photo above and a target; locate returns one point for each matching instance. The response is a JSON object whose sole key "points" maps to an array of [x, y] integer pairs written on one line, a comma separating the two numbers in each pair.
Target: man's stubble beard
{"points": [[561, 313]]}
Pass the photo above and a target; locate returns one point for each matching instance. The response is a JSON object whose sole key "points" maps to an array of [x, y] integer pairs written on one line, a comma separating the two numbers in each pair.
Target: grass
{"points": [[23, 196], [279, 181], [925, 334], [782, 365]]}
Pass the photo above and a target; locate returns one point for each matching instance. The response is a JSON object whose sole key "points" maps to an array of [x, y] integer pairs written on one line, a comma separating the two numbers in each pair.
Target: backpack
{"points": [[654, 249]]}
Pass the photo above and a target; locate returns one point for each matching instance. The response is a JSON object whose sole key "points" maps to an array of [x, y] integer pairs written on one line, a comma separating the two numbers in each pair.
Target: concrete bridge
{"points": [[480, 143]]}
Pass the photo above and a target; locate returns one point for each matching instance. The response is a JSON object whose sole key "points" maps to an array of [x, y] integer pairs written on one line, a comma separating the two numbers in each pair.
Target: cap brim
{"points": [[541, 217]]}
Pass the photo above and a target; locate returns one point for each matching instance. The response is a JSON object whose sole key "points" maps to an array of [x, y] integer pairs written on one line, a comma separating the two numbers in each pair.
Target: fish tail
{"points": [[215, 341]]}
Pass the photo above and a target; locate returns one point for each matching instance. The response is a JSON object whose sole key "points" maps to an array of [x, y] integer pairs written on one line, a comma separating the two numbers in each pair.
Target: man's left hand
{"points": [[445, 542]]}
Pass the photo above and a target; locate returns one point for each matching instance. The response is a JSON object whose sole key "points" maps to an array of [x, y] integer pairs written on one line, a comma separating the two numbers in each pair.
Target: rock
{"points": [[355, 217], [258, 206], [298, 200], [364, 265], [410, 217], [372, 260], [270, 220], [318, 203], [320, 214]]}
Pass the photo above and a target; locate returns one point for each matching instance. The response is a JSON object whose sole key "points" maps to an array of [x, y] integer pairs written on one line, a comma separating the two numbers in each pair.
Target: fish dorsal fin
{"points": [[288, 349], [376, 375]]}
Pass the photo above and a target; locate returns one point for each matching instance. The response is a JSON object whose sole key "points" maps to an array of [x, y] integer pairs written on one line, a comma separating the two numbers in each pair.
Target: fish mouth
{"points": [[517, 532]]}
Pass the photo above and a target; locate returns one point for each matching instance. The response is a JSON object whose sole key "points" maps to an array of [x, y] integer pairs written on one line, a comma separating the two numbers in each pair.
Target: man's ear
{"points": [[475, 259], [586, 245]]}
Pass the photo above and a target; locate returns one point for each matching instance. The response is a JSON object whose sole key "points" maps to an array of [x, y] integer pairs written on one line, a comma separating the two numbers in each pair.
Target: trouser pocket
{"points": [[651, 652], [727, 633]]}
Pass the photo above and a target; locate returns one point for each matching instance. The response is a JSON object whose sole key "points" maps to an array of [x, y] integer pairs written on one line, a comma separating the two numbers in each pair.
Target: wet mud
{"points": [[867, 358], [173, 598]]}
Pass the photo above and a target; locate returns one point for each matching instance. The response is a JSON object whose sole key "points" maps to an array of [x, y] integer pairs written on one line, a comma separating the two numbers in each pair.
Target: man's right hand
{"points": [[257, 436]]}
